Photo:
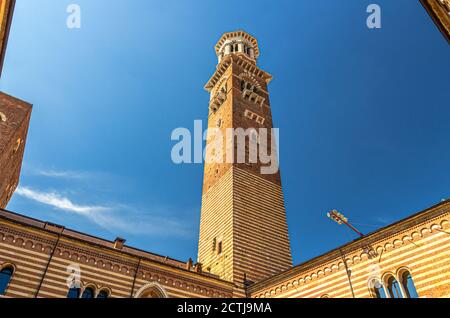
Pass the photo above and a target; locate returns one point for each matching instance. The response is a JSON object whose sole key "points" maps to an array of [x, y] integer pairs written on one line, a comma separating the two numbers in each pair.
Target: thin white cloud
{"points": [[64, 174], [57, 201], [125, 220]]}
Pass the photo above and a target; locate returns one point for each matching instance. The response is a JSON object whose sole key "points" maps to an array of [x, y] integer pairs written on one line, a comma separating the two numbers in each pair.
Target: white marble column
{"points": [[227, 49]]}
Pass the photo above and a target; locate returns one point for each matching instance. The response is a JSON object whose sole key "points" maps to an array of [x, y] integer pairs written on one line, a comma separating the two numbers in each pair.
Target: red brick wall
{"points": [[13, 134]]}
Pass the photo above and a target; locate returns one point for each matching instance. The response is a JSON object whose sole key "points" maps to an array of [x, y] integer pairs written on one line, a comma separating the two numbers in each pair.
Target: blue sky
{"points": [[364, 115]]}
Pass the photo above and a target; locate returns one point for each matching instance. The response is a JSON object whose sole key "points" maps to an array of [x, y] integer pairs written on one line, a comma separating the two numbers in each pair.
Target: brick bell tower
{"points": [[14, 120], [243, 229]]}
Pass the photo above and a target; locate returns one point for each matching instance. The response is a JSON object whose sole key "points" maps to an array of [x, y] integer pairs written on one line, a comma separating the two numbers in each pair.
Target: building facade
{"points": [[408, 259], [50, 261], [244, 248], [14, 121]]}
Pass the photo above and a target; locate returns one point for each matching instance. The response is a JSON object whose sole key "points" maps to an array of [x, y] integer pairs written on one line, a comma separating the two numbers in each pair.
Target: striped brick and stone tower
{"points": [[243, 229], [439, 11]]}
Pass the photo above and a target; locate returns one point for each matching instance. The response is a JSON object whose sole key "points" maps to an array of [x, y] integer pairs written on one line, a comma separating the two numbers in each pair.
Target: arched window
{"points": [[103, 294], [393, 288], [151, 290], [408, 285], [5, 277], [377, 289], [88, 293], [74, 292]]}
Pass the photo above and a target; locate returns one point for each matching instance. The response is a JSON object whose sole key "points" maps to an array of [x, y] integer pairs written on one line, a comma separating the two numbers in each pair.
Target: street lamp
{"points": [[340, 219]]}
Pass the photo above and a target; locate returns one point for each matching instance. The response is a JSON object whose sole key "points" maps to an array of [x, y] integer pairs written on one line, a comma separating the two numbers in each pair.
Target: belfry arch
{"points": [[151, 290]]}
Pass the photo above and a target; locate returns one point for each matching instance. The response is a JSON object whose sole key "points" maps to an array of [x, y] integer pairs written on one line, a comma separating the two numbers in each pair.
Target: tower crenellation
{"points": [[237, 43]]}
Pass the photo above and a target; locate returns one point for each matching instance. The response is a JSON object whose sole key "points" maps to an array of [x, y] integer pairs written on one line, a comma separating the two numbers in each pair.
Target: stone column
{"points": [[227, 49], [241, 47], [252, 53]]}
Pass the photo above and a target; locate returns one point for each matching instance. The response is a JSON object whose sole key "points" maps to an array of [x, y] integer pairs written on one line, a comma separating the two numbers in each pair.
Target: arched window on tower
{"points": [[88, 293], [393, 288], [5, 278], [408, 285]]}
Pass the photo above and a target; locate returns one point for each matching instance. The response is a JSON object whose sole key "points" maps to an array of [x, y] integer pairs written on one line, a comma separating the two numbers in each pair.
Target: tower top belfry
{"points": [[237, 42], [239, 47]]}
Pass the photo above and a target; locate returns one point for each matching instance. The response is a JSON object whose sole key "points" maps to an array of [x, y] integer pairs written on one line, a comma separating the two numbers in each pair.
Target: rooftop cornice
{"points": [[238, 60], [238, 33]]}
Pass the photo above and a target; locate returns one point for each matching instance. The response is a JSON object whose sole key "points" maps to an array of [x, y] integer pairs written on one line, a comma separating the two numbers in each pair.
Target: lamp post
{"points": [[340, 219]]}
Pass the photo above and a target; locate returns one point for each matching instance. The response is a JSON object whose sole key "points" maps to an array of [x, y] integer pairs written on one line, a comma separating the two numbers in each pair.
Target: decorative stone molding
{"points": [[394, 243]]}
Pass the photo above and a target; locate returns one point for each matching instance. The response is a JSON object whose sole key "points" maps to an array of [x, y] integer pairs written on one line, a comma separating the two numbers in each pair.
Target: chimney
{"points": [[189, 264], [198, 267], [118, 243]]}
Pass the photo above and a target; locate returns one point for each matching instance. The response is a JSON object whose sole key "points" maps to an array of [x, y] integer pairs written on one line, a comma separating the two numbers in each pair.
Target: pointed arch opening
{"points": [[151, 290]]}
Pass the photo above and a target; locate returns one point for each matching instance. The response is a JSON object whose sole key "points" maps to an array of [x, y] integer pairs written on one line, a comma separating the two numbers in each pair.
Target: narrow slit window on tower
{"points": [[219, 248]]}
